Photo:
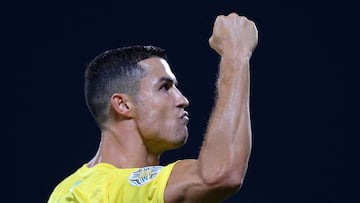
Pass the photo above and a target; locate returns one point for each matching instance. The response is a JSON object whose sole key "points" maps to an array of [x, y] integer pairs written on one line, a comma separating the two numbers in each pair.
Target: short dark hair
{"points": [[113, 71]]}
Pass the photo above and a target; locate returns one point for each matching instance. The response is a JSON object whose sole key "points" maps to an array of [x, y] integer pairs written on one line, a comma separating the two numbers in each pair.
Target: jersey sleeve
{"points": [[141, 185]]}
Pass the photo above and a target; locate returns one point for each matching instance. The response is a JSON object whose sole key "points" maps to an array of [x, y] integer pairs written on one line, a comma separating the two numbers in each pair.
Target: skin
{"points": [[161, 109], [139, 132]]}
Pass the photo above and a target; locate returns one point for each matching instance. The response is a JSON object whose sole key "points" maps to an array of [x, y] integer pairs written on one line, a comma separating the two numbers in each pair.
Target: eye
{"points": [[165, 86]]}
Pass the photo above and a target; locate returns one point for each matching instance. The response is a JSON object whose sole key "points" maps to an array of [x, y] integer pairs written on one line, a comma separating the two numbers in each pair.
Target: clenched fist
{"points": [[234, 36]]}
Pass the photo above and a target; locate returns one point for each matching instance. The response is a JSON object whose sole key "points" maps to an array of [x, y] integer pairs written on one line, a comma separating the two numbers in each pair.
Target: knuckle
{"points": [[233, 14]]}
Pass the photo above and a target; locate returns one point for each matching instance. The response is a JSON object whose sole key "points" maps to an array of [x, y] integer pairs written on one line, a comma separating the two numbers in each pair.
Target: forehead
{"points": [[157, 68]]}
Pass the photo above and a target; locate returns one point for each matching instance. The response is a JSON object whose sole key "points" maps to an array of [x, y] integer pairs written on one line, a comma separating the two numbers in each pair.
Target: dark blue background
{"points": [[296, 89]]}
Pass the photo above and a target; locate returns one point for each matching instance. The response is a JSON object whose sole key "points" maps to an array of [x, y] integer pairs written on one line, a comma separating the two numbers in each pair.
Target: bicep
{"points": [[185, 184]]}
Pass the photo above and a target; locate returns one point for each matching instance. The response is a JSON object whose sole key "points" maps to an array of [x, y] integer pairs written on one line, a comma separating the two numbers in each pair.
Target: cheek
{"points": [[154, 109], [151, 118], [158, 118], [154, 113], [157, 124]]}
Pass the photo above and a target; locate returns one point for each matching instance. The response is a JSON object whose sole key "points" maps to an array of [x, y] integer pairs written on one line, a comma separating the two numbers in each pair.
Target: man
{"points": [[132, 94]]}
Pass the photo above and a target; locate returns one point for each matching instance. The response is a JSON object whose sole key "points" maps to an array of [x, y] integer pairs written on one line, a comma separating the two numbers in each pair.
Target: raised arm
{"points": [[221, 166], [228, 138]]}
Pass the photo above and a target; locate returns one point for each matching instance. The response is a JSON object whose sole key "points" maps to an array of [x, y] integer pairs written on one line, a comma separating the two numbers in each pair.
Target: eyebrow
{"points": [[168, 80]]}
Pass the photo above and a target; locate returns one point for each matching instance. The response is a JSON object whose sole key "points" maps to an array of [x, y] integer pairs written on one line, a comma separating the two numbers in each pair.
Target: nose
{"points": [[182, 101]]}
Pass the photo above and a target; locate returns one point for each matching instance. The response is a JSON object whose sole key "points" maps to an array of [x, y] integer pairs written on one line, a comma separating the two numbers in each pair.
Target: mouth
{"points": [[185, 116]]}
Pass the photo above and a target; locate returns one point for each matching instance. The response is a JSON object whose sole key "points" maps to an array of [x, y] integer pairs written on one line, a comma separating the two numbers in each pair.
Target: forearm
{"points": [[226, 148]]}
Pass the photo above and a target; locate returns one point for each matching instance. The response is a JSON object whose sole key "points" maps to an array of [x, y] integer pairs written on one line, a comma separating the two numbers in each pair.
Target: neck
{"points": [[123, 148]]}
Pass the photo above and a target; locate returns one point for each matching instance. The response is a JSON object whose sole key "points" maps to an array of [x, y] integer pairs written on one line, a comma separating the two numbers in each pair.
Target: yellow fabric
{"points": [[104, 183]]}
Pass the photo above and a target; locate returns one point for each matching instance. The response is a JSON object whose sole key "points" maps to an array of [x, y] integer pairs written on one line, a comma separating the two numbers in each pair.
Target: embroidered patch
{"points": [[144, 175]]}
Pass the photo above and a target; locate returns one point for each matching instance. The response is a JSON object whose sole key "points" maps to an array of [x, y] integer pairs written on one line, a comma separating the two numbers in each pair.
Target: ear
{"points": [[122, 104]]}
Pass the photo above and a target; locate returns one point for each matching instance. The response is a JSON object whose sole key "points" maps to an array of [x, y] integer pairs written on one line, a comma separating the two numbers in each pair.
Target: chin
{"points": [[181, 141]]}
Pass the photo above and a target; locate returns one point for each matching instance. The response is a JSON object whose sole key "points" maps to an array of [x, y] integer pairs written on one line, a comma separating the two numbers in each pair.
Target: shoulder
{"points": [[182, 179], [186, 184]]}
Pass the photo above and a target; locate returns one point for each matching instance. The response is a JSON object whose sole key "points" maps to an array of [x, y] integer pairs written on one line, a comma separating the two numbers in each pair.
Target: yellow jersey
{"points": [[104, 183]]}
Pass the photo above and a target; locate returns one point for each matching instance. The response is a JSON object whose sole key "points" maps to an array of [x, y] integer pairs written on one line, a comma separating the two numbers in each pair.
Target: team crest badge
{"points": [[144, 175]]}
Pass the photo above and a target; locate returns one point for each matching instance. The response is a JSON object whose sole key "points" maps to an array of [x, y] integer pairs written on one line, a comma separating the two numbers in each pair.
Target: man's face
{"points": [[160, 111]]}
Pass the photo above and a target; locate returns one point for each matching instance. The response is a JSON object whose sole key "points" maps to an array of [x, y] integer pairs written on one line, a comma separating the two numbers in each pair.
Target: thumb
{"points": [[214, 46], [211, 39]]}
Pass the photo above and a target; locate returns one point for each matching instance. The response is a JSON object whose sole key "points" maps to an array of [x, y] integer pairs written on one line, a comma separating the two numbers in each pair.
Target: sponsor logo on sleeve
{"points": [[144, 175]]}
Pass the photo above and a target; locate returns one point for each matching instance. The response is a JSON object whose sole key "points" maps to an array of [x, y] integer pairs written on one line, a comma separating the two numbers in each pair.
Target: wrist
{"points": [[233, 71], [236, 55]]}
